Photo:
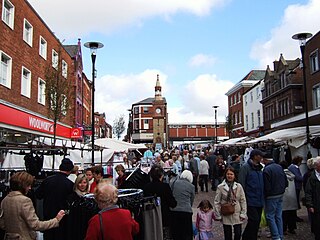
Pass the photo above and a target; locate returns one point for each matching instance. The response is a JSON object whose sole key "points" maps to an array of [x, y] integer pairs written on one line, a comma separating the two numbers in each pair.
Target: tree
{"points": [[229, 125], [118, 126], [57, 91]]}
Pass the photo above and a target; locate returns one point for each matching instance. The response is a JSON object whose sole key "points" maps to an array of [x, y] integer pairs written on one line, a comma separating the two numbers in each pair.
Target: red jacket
{"points": [[117, 224]]}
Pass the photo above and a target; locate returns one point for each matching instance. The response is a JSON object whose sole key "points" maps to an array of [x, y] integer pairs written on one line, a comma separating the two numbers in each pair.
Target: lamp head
{"points": [[215, 107], [94, 46], [302, 37]]}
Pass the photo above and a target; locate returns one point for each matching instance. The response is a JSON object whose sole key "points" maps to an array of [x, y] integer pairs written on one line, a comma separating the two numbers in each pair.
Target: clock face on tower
{"points": [[158, 110]]}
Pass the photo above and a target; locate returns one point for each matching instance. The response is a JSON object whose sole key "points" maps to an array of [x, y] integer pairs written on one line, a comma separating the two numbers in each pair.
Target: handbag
{"points": [[227, 209]]}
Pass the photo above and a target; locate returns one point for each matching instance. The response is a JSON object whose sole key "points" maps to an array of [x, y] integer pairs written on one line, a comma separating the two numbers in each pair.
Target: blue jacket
{"points": [[275, 180], [251, 179]]}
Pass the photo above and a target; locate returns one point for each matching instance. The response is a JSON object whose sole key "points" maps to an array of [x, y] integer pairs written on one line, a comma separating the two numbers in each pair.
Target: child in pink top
{"points": [[204, 221]]}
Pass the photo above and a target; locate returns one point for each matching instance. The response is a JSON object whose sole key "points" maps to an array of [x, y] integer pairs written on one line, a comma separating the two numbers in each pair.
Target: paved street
{"points": [[302, 231]]}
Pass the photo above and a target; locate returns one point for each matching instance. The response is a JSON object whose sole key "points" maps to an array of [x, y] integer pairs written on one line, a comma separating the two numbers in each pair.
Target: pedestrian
{"points": [[220, 169], [54, 191], [111, 222], [203, 173], [229, 191], [97, 172], [81, 209], [89, 176], [251, 179], [275, 183], [160, 189], [298, 180], [193, 167], [211, 159], [121, 175], [312, 195], [289, 203], [235, 163], [204, 220], [184, 193], [18, 218]]}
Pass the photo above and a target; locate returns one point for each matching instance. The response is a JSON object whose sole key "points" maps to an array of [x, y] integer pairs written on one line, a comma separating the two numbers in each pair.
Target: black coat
{"points": [[81, 210], [54, 191], [162, 190], [312, 193]]}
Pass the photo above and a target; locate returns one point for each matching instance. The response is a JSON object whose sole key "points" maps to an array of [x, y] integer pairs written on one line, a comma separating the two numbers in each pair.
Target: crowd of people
{"points": [[83, 204]]}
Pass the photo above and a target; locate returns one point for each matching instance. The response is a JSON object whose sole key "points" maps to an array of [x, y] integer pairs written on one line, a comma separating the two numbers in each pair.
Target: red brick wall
{"points": [[12, 43]]}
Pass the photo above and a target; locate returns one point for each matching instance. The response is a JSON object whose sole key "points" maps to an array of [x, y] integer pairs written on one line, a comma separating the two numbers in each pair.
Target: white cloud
{"points": [[198, 96], [201, 60], [297, 18], [115, 95], [74, 18]]}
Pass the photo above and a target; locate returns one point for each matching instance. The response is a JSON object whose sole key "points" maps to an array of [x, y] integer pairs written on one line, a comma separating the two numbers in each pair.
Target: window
{"points": [[252, 120], [55, 59], [259, 118], [246, 100], [5, 70], [146, 124], [136, 110], [64, 69], [239, 97], [316, 97], [240, 116], [314, 61], [251, 96], [235, 118], [231, 101], [25, 82], [136, 124], [27, 32], [283, 80], [247, 122], [235, 99], [43, 48], [145, 109], [8, 13], [258, 92], [41, 91]]}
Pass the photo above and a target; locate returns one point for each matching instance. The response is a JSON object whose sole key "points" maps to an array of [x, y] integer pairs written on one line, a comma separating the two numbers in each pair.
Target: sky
{"points": [[199, 48]]}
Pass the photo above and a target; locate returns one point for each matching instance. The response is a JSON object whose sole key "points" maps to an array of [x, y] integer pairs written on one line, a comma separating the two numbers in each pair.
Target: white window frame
{"points": [[64, 69], [316, 96], [252, 120], [43, 47], [5, 80], [64, 104], [146, 124], [25, 82], [8, 13], [55, 59], [314, 61], [41, 91], [27, 32]]}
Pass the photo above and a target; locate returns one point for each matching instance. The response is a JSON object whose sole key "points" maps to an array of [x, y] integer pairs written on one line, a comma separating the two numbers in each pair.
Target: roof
{"points": [[255, 75], [147, 101], [71, 49]]}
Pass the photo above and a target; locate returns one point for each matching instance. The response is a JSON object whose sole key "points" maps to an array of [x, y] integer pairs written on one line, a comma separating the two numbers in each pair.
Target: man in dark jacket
{"points": [[251, 179], [54, 191], [312, 194], [275, 183]]}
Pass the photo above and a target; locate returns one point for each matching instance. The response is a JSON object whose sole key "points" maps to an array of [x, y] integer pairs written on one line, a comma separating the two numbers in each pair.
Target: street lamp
{"points": [[216, 125], [302, 37], [93, 48]]}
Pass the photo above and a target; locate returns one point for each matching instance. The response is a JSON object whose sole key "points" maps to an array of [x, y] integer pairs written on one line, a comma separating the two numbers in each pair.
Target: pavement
{"points": [[302, 232]]}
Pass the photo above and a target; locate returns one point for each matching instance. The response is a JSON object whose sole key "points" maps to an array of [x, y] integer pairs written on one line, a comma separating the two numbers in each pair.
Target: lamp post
{"points": [[93, 48], [215, 125], [302, 37]]}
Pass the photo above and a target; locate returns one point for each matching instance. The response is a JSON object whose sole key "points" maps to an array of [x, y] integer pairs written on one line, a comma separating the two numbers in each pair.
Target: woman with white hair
{"points": [[111, 222], [184, 193]]}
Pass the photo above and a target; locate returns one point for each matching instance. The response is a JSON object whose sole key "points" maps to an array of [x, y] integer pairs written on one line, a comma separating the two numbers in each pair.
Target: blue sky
{"points": [[200, 48]]}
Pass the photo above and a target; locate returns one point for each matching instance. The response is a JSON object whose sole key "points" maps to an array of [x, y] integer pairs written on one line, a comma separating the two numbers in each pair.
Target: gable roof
{"points": [[71, 49], [147, 101]]}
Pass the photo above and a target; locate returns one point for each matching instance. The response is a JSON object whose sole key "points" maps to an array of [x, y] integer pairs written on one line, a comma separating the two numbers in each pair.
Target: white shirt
{"points": [[204, 168]]}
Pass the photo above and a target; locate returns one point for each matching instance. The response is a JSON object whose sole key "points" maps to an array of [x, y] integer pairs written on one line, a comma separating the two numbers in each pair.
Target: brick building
{"points": [[235, 101], [29, 49], [148, 121]]}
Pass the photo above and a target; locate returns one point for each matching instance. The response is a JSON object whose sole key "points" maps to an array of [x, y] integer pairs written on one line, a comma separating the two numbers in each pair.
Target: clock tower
{"points": [[159, 118]]}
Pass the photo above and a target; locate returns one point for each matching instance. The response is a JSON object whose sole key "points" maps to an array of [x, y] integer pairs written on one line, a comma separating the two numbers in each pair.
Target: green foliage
{"points": [[229, 125]]}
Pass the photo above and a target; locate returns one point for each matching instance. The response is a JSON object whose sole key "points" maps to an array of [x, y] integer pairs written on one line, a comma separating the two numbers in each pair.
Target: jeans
{"points": [[273, 211]]}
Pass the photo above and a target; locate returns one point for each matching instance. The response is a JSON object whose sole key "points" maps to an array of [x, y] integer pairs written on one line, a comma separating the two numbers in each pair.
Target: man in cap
{"points": [[275, 183], [54, 191], [251, 179]]}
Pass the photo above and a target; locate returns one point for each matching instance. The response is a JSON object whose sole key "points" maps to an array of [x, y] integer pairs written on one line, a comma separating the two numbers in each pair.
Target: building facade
{"points": [[235, 101], [253, 111], [149, 120]]}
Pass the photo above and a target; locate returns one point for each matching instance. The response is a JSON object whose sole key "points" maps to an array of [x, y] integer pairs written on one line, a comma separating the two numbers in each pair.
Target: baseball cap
{"points": [[256, 152]]}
